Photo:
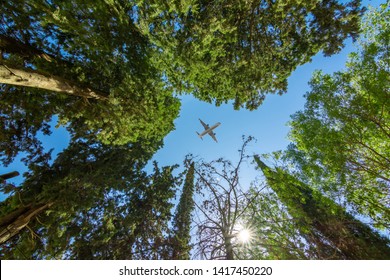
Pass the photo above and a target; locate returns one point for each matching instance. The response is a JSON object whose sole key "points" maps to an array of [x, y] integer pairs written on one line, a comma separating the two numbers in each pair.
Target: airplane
{"points": [[208, 130]]}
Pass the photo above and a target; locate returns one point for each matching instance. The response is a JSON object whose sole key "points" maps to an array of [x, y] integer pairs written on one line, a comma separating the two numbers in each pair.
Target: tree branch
{"points": [[30, 78]]}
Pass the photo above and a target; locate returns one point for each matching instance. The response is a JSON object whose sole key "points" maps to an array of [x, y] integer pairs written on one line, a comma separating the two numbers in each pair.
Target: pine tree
{"points": [[88, 184], [182, 219], [337, 233], [89, 61]]}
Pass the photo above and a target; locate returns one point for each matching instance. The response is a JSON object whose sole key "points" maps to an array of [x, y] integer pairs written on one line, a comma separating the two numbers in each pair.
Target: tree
{"points": [[93, 202], [94, 57], [238, 51], [336, 233], [220, 207], [42, 176], [92, 50], [341, 139], [130, 224], [183, 218], [117, 64]]}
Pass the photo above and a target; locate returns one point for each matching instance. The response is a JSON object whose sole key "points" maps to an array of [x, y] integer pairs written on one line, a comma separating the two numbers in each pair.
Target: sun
{"points": [[244, 236]]}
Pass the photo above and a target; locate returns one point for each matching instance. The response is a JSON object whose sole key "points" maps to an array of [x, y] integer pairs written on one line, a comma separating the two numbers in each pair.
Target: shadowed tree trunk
{"points": [[229, 247], [11, 45], [17, 220]]}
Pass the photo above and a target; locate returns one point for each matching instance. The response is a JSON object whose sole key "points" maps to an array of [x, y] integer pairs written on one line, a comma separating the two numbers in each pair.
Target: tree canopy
{"points": [[112, 72], [238, 50], [341, 139], [91, 64], [93, 202]]}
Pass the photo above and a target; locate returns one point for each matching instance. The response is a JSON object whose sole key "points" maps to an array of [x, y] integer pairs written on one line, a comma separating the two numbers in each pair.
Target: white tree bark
{"points": [[30, 78]]}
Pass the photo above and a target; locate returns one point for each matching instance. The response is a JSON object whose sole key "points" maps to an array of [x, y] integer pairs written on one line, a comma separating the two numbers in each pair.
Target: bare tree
{"points": [[219, 206]]}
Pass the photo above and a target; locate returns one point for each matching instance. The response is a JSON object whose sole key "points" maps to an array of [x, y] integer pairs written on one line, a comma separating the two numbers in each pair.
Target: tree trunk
{"points": [[14, 222], [229, 248], [30, 78]]}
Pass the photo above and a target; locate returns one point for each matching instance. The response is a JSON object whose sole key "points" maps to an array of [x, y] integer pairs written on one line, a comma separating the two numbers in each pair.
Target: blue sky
{"points": [[268, 124]]}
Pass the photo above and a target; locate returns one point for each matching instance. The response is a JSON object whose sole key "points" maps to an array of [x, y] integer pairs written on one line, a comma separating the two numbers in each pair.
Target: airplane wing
{"points": [[212, 134], [204, 125]]}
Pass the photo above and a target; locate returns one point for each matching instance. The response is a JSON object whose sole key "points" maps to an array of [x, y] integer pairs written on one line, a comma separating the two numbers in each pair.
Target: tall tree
{"points": [[47, 184], [131, 224], [341, 140], [91, 200], [183, 218], [337, 233], [93, 49], [238, 50], [92, 55]]}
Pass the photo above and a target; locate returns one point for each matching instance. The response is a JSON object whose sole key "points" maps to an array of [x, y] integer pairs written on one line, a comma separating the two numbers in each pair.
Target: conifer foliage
{"points": [[242, 50], [93, 202], [336, 234], [183, 218]]}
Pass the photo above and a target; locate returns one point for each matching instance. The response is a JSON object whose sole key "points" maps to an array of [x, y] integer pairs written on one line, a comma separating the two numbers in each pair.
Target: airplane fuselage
{"points": [[209, 129]]}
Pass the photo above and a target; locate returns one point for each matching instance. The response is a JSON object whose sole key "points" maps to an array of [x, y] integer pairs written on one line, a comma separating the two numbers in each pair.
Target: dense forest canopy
{"points": [[112, 72], [239, 50], [95, 70], [112, 69]]}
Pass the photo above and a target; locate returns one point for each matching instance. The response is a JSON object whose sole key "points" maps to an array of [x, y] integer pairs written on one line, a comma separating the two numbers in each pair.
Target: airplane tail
{"points": [[199, 135]]}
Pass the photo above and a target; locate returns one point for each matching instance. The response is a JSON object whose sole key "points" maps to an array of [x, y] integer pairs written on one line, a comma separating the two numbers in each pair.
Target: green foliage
{"points": [[341, 140], [23, 113], [145, 112], [138, 55], [132, 224], [104, 206], [96, 46], [183, 218], [139, 52], [335, 233], [99, 196], [276, 235], [238, 51]]}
